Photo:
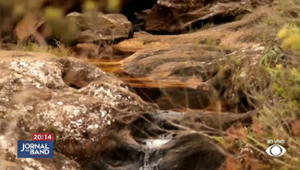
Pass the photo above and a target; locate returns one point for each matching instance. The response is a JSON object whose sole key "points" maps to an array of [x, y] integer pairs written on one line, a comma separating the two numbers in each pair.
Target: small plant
{"points": [[60, 51], [290, 36], [281, 108], [272, 55]]}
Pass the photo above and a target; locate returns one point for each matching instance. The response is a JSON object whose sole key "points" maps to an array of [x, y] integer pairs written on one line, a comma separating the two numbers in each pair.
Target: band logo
{"points": [[41, 146]]}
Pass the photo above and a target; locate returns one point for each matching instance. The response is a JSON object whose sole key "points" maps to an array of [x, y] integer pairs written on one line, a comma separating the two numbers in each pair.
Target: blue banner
{"points": [[35, 149]]}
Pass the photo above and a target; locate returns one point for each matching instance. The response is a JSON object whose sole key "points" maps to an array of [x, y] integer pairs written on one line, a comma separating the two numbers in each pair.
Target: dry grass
{"points": [[279, 108], [59, 51]]}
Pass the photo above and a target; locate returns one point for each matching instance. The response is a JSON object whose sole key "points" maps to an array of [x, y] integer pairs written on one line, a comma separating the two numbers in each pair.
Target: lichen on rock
{"points": [[37, 94]]}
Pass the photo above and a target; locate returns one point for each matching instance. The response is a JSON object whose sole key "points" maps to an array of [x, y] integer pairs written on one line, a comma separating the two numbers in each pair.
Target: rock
{"points": [[59, 162], [151, 144], [177, 70], [212, 123], [88, 50], [112, 26], [162, 19], [169, 60], [181, 16], [182, 3], [102, 27], [98, 33], [66, 6], [65, 96], [139, 23], [97, 54], [98, 120], [197, 121], [130, 7], [8, 152], [190, 152], [28, 28], [235, 35], [6, 21], [194, 76]]}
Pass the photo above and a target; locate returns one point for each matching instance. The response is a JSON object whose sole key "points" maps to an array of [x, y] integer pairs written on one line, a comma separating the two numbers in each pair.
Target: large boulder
{"points": [[65, 96]]}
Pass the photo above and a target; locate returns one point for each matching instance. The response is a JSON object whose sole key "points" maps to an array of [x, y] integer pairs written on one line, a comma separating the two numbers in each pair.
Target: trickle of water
{"points": [[146, 165], [150, 147]]}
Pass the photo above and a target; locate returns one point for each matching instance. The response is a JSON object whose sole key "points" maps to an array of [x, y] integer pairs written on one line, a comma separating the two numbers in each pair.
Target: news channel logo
{"points": [[275, 150], [41, 146]]}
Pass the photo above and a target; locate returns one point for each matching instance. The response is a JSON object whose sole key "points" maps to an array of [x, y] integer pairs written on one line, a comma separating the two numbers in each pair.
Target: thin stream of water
{"points": [[147, 165], [151, 146]]}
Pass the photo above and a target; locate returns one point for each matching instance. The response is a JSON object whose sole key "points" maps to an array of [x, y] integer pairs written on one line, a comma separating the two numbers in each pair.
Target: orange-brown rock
{"points": [[169, 16]]}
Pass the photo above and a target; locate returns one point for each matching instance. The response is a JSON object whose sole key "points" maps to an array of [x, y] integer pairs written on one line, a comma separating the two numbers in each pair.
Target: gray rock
{"points": [[40, 92]]}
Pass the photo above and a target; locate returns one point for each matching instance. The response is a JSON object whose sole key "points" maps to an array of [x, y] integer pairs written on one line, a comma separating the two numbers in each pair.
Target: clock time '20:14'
{"points": [[42, 136]]}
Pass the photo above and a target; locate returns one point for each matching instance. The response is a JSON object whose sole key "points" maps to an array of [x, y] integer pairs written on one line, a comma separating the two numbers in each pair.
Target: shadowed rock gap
{"points": [[218, 20]]}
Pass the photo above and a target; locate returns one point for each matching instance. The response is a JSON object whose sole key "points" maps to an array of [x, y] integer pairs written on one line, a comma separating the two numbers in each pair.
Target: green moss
{"points": [[57, 139]]}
